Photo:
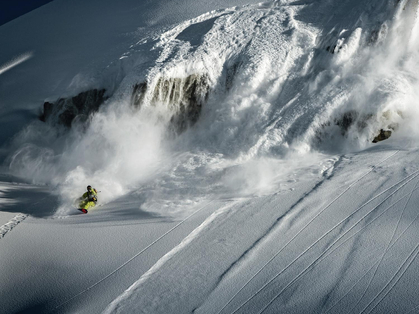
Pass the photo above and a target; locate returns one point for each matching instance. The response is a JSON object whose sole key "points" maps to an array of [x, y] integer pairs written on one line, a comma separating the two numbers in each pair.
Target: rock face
{"points": [[138, 94], [183, 96], [346, 121], [65, 110], [357, 123], [382, 136], [352, 118]]}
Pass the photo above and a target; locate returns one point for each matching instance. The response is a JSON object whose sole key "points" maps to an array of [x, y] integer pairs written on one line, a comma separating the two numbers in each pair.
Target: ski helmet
{"points": [[89, 187]]}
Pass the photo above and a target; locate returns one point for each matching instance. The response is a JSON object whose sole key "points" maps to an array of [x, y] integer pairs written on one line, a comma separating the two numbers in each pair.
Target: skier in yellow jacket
{"points": [[88, 200]]}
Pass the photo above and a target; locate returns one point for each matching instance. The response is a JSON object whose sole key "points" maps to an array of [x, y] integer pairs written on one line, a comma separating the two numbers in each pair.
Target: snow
{"points": [[11, 224], [305, 233], [274, 201]]}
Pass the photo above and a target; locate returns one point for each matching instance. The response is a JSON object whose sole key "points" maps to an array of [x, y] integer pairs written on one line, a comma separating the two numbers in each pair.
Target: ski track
{"points": [[321, 257], [131, 259], [387, 247], [357, 232], [351, 288], [277, 221], [318, 261], [347, 263], [398, 238], [7, 227], [399, 271], [312, 245], [328, 242], [248, 250], [301, 230]]}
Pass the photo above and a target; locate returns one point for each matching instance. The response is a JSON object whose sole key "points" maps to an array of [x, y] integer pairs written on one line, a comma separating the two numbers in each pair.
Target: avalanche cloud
{"points": [[246, 132]]}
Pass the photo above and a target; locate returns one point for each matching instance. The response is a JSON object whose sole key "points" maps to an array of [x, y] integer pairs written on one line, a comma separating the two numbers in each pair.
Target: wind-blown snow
{"points": [[15, 61], [287, 97], [274, 90]]}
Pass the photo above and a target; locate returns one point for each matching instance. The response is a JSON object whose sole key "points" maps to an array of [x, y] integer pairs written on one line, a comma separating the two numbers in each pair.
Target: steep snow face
{"points": [[281, 78], [372, 86]]}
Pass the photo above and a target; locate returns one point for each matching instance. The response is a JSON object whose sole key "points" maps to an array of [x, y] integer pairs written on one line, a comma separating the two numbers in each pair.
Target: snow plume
{"points": [[240, 88], [15, 61], [370, 83], [119, 148]]}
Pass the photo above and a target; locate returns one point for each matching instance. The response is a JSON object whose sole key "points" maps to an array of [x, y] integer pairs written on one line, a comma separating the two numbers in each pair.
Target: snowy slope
{"points": [[233, 153], [338, 245]]}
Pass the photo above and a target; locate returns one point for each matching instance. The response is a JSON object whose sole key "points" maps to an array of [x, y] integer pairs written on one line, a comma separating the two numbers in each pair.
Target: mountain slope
{"points": [[235, 147]]}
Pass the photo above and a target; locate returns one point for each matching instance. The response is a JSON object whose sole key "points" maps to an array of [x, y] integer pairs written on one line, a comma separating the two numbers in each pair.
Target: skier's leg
{"points": [[90, 205], [82, 204]]}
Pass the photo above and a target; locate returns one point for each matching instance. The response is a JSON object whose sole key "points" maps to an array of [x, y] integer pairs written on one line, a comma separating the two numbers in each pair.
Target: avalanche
{"points": [[252, 157]]}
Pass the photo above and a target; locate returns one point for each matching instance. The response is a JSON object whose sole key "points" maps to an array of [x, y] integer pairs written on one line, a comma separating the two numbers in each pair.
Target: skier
{"points": [[88, 200]]}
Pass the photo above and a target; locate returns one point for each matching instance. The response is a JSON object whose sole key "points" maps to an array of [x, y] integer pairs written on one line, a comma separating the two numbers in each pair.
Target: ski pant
{"points": [[87, 204]]}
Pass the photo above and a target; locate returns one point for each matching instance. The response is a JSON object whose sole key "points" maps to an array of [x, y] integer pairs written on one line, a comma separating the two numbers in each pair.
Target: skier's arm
{"points": [[84, 196]]}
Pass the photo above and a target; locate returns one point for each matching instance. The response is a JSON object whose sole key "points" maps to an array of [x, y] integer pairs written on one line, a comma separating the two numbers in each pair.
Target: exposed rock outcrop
{"points": [[346, 121], [350, 118], [138, 94], [353, 121], [384, 134], [65, 110], [183, 96]]}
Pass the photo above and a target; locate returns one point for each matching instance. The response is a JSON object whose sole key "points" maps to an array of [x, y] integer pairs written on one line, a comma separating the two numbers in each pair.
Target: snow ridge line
{"points": [[132, 258], [302, 229], [11, 224]]}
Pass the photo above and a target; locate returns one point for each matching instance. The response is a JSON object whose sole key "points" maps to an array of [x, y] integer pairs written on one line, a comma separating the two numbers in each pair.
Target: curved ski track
{"points": [[334, 242], [131, 259], [416, 174], [304, 227]]}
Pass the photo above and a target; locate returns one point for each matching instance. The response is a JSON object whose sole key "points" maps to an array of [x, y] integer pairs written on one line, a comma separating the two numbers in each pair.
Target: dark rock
{"points": [[184, 96], [48, 107], [333, 49], [138, 94], [65, 110], [384, 134], [346, 121]]}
